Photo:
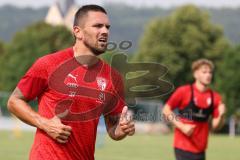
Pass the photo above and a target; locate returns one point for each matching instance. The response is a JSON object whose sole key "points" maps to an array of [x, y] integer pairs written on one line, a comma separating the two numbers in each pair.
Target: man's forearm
{"points": [[171, 117], [24, 112], [217, 123], [187, 129]]}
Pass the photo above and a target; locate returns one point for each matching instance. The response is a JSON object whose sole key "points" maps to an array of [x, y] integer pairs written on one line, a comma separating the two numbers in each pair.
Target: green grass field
{"points": [[138, 147]]}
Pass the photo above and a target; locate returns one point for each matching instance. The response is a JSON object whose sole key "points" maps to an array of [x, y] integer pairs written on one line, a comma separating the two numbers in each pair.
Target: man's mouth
{"points": [[103, 40]]}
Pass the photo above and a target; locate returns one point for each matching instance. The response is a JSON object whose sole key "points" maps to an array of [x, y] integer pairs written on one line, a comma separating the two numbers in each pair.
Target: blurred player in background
{"points": [[71, 134], [195, 103]]}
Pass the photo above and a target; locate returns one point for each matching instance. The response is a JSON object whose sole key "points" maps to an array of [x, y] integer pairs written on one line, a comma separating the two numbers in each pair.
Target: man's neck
{"points": [[81, 50], [84, 56], [201, 87]]}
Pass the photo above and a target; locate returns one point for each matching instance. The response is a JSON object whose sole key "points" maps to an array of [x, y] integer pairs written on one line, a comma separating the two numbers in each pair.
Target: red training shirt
{"points": [[60, 86]]}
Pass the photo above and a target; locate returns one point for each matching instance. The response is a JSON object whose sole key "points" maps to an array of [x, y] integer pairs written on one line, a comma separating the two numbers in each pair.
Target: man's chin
{"points": [[207, 83], [100, 51]]}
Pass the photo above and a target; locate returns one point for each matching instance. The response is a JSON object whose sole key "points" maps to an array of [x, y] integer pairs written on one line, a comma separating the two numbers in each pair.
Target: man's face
{"points": [[203, 75], [96, 32]]}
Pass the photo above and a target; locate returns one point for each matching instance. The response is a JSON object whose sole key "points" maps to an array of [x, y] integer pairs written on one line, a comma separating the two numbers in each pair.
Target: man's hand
{"points": [[56, 130], [187, 129], [126, 124], [120, 126]]}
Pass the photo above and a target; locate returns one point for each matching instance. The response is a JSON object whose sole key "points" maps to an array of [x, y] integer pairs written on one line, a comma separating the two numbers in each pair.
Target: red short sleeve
{"points": [[34, 82], [175, 100], [217, 101]]}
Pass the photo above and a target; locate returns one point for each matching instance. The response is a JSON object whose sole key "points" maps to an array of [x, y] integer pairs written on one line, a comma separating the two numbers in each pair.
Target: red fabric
{"points": [[37, 84], [197, 142]]}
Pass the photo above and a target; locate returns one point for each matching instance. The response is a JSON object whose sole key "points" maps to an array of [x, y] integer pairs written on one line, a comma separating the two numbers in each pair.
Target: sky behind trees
{"points": [[138, 3]]}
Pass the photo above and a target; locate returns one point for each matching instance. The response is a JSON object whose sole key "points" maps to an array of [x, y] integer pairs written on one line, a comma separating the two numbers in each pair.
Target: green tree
{"points": [[177, 40], [28, 45], [1, 48], [2, 52], [227, 79]]}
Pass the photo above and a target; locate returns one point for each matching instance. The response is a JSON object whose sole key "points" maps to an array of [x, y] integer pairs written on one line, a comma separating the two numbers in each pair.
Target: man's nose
{"points": [[105, 30]]}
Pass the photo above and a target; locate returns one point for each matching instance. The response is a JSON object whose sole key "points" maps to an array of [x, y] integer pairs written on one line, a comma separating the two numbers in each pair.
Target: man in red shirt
{"points": [[73, 88], [195, 103]]}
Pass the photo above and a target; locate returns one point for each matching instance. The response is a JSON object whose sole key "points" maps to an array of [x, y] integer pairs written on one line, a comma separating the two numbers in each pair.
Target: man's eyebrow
{"points": [[102, 24]]}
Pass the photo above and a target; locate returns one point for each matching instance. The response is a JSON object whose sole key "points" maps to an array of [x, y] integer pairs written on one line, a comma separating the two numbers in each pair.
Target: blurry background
{"points": [[172, 33]]}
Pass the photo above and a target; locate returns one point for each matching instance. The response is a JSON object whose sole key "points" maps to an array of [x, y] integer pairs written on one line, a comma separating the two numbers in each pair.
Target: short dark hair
{"points": [[82, 12]]}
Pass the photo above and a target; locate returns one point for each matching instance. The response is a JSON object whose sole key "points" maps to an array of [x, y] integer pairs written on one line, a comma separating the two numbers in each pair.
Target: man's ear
{"points": [[195, 74], [78, 32]]}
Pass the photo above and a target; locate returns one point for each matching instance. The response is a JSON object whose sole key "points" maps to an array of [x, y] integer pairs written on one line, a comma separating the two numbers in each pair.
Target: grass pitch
{"points": [[16, 146]]}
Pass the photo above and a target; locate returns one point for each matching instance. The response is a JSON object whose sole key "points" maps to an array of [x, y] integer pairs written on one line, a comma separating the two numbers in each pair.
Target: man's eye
{"points": [[98, 25], [108, 26]]}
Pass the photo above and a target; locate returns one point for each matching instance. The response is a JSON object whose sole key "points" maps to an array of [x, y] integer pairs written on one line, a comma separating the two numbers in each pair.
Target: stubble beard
{"points": [[94, 49]]}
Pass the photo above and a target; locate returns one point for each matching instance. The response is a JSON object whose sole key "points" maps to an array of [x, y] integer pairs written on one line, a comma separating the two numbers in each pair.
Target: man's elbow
{"points": [[10, 103]]}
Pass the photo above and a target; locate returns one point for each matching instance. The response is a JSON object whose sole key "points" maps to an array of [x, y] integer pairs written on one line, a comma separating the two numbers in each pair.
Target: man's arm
{"points": [[119, 126], [218, 122], [17, 104], [171, 117]]}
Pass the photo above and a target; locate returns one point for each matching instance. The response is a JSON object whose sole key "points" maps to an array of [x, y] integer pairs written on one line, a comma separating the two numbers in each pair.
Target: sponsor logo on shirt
{"points": [[72, 84]]}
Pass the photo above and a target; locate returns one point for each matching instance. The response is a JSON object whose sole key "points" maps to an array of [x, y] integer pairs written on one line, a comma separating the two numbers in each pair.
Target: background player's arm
{"points": [[17, 104], [119, 126], [171, 117], [218, 122]]}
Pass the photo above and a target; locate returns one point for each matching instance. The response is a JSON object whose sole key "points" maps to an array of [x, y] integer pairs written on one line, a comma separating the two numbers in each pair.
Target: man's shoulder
{"points": [[53, 59], [216, 94], [57, 56]]}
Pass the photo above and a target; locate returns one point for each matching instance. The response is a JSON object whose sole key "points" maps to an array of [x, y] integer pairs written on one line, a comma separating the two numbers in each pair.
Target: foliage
{"points": [[28, 45], [227, 79], [177, 40]]}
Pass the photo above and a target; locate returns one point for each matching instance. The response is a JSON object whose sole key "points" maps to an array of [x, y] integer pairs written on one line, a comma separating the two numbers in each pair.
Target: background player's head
{"points": [[203, 71], [91, 28]]}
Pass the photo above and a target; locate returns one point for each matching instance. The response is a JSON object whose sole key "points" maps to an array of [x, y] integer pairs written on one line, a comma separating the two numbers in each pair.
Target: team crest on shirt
{"points": [[102, 83], [209, 100]]}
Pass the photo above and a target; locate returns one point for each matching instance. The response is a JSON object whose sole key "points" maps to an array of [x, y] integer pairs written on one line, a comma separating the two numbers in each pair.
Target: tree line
{"points": [[174, 41]]}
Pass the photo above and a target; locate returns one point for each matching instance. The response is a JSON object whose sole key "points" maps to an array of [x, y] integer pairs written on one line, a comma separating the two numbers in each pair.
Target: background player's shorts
{"points": [[185, 155]]}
